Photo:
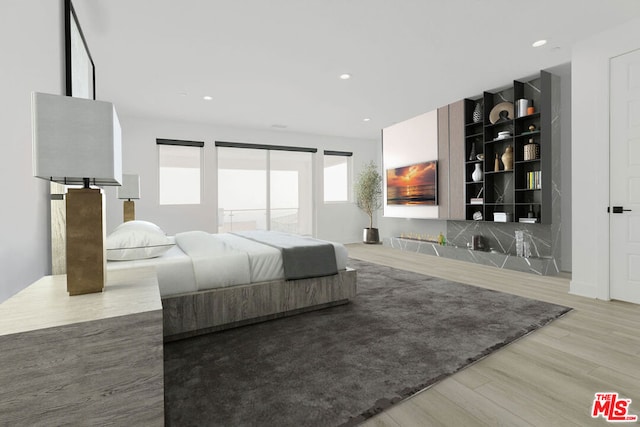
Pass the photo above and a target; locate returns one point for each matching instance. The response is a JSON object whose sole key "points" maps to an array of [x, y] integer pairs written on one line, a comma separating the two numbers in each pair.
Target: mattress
{"points": [[240, 261]]}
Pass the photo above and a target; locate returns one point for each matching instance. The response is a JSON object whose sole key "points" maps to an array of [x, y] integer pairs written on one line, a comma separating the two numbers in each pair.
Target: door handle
{"points": [[618, 209]]}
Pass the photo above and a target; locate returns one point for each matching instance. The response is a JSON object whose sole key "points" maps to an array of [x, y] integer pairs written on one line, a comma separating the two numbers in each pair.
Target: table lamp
{"points": [[130, 189], [77, 141]]}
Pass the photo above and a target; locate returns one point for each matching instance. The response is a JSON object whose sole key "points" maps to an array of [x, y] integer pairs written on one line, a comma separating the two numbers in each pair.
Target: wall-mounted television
{"points": [[413, 185]]}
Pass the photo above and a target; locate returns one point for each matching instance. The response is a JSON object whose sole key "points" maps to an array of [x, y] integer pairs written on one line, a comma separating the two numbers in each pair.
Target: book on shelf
{"points": [[476, 201], [501, 217], [528, 220], [534, 180]]}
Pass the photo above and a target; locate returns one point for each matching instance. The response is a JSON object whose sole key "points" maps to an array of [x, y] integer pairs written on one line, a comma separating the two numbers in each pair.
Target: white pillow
{"points": [[139, 225], [134, 240]]}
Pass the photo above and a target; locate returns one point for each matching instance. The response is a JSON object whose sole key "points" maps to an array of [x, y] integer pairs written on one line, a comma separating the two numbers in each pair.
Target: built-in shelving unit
{"points": [[522, 189]]}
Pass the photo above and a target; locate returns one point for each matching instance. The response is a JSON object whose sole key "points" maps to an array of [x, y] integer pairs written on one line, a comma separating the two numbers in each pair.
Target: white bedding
{"points": [[216, 260]]}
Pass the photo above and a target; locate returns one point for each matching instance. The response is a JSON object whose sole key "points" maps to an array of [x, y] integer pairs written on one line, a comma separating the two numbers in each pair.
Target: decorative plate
{"points": [[494, 115]]}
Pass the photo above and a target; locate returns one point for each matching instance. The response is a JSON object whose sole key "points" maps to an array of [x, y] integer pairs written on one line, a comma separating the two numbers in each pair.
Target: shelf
{"points": [[535, 115], [499, 140], [474, 182], [497, 124], [471, 162], [528, 134], [520, 162], [528, 189], [500, 204], [528, 204], [497, 172], [475, 135]]}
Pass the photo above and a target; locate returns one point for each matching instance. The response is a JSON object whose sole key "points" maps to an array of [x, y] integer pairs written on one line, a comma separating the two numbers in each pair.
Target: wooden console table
{"points": [[92, 359]]}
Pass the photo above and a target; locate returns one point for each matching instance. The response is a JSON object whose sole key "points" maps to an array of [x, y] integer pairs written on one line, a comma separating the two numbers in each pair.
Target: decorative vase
{"points": [[477, 113], [496, 164], [472, 155], [476, 175], [507, 158], [531, 150], [521, 107]]}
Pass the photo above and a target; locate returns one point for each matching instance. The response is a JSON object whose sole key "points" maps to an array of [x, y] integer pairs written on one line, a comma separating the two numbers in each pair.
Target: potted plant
{"points": [[368, 189]]}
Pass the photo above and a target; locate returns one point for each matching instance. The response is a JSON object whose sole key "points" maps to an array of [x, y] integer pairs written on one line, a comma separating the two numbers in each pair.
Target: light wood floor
{"points": [[547, 378]]}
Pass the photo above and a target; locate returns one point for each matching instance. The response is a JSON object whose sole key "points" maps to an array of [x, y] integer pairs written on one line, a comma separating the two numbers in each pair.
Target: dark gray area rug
{"points": [[402, 333]]}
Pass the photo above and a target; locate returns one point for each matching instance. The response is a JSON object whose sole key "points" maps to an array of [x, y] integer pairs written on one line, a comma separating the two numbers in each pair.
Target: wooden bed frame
{"points": [[201, 312]]}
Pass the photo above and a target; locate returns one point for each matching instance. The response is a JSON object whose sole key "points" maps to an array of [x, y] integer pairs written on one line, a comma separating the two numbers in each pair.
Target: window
{"points": [[291, 195], [337, 174], [265, 188], [179, 170], [242, 190]]}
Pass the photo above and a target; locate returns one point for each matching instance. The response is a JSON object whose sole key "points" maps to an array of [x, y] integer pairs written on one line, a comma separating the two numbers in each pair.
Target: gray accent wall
{"points": [[536, 265], [564, 72], [32, 46]]}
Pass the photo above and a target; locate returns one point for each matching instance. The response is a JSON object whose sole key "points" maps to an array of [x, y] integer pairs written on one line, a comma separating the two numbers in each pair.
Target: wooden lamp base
{"points": [[86, 260], [129, 210]]}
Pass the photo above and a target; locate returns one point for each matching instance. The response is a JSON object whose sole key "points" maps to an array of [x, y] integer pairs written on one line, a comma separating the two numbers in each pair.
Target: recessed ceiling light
{"points": [[539, 43], [366, 119], [207, 98], [345, 76]]}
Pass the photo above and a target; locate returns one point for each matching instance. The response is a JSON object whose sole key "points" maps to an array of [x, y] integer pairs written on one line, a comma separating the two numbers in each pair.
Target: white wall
{"points": [[411, 141], [406, 143], [590, 156], [31, 42], [338, 222]]}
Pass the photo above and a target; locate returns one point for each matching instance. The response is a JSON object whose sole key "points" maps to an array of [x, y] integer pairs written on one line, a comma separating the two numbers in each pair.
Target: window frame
{"points": [[182, 143], [349, 183], [270, 149]]}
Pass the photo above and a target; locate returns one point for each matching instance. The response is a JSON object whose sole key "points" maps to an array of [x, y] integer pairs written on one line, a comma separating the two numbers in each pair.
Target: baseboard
{"points": [[583, 289]]}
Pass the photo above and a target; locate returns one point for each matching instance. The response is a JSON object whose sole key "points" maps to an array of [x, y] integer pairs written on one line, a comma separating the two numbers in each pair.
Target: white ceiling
{"points": [[277, 62]]}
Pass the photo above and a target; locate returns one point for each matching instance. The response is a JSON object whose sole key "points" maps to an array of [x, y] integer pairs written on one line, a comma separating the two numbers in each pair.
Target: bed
{"points": [[210, 282]]}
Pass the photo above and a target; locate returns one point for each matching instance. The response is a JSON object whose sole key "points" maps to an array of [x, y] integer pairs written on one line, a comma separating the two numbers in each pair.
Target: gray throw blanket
{"points": [[302, 257]]}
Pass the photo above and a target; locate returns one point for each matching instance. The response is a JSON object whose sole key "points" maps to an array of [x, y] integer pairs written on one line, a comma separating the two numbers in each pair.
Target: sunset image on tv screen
{"points": [[413, 185]]}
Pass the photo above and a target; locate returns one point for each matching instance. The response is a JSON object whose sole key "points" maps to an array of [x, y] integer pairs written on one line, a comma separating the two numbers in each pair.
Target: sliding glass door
{"points": [[262, 189], [290, 191], [242, 193]]}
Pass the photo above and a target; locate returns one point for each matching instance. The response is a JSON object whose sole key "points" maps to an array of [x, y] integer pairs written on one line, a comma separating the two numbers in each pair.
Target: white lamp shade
{"points": [[75, 138], [130, 188]]}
